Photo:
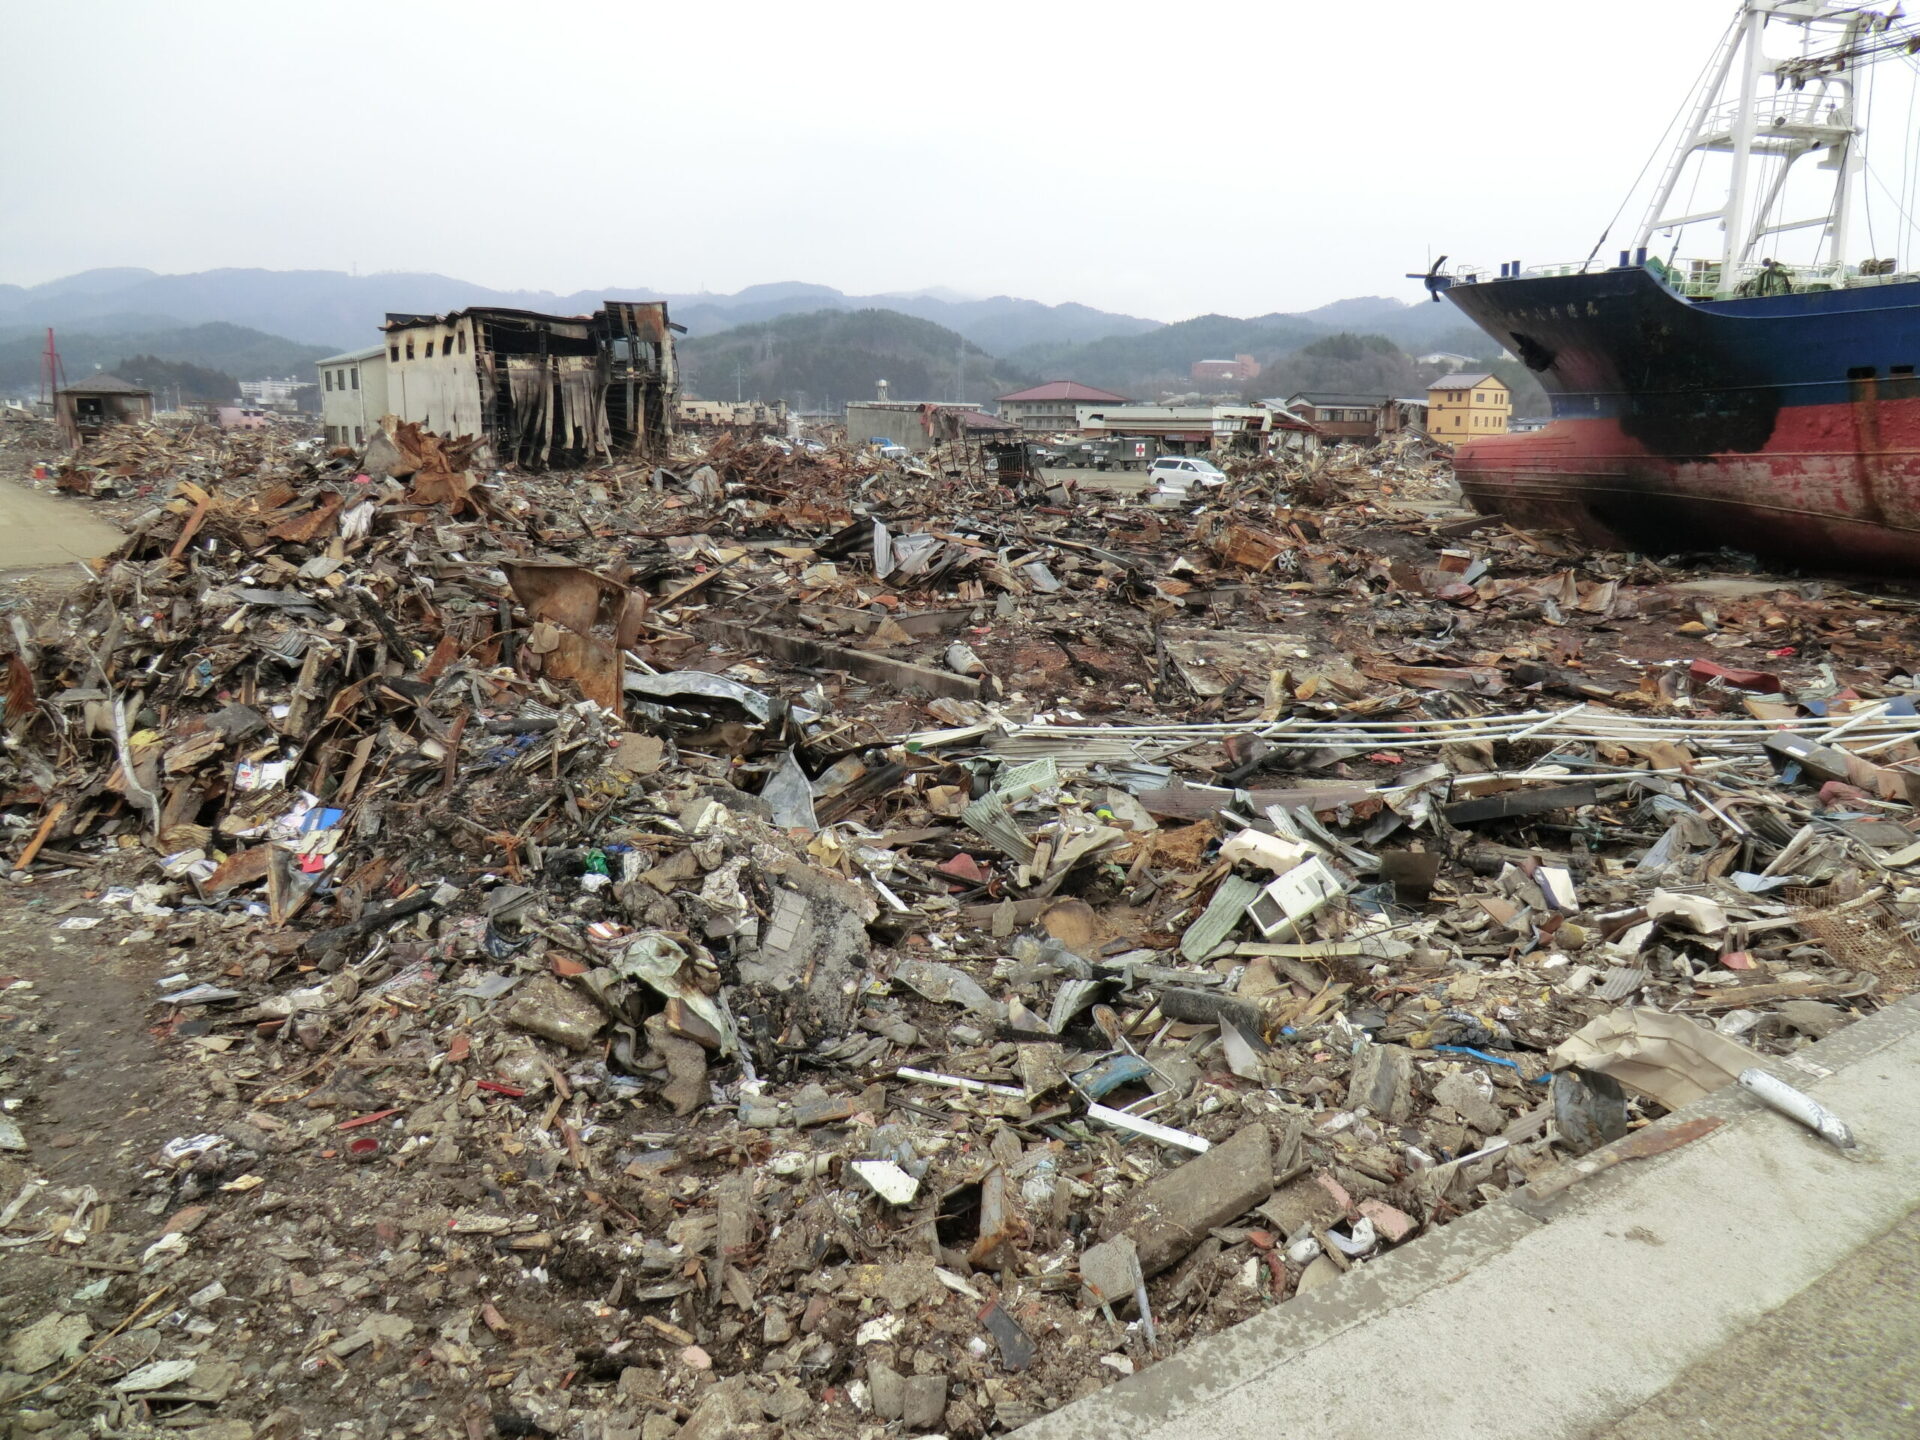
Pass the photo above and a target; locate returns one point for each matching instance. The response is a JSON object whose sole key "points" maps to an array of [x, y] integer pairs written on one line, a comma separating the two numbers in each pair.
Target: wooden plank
{"points": [[896, 674], [191, 528], [1025, 912], [52, 819], [698, 582], [921, 624]]}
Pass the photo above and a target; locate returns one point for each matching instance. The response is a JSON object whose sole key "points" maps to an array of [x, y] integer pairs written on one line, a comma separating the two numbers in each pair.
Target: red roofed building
{"points": [[1046, 408], [1240, 367]]}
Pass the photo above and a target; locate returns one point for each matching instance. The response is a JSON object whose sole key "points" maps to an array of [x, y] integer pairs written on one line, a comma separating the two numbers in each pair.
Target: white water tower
{"points": [[882, 396]]}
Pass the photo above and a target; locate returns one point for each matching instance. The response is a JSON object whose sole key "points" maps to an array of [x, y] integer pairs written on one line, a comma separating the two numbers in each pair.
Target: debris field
{"points": [[787, 942]]}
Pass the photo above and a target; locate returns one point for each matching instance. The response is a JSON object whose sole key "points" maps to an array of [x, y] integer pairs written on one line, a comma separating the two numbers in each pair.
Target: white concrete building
{"points": [[1188, 429], [281, 394], [353, 394]]}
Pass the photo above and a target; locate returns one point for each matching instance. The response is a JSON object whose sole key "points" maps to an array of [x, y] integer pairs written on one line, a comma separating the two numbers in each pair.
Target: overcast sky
{"points": [[1165, 160]]}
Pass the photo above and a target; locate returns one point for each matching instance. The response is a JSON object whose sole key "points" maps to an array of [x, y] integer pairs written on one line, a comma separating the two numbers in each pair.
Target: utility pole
{"points": [[739, 374], [53, 371]]}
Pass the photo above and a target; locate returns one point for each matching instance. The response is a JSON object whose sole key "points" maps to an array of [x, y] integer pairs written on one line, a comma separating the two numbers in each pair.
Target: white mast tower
{"points": [[1811, 109]]}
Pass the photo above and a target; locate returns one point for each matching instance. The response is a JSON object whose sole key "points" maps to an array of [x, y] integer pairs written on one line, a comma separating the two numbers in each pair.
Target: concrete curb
{"points": [[1551, 1315]]}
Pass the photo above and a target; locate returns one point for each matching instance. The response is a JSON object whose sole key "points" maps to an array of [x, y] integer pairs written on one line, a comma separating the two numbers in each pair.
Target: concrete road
{"points": [[39, 530], [1839, 1361]]}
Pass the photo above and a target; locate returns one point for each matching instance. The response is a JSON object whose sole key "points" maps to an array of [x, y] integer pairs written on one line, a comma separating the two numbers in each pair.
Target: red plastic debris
{"points": [[1761, 680], [964, 867], [1838, 792], [359, 1120]]}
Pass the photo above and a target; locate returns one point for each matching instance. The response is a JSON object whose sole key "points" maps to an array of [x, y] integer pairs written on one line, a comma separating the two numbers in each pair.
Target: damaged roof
{"points": [[104, 384], [1065, 390]]}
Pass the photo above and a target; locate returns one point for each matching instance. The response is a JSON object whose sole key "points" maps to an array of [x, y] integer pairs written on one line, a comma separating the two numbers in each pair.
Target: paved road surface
{"points": [[39, 530], [1839, 1361]]}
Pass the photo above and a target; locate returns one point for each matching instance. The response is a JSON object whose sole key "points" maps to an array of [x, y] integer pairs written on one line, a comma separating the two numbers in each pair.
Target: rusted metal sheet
{"points": [[574, 602]]}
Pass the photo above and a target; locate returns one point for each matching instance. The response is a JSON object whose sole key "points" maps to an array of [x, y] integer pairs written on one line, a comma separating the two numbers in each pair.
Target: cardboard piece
{"points": [[1665, 1057]]}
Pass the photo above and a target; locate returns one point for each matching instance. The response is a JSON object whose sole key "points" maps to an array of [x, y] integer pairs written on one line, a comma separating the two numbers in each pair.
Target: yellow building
{"points": [[1464, 407]]}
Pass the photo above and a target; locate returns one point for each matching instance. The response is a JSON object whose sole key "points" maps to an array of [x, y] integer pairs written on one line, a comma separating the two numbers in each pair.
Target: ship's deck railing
{"points": [[1793, 109], [1701, 279]]}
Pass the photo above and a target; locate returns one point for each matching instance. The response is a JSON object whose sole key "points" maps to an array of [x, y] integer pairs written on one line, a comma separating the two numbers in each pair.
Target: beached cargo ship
{"points": [[1742, 401]]}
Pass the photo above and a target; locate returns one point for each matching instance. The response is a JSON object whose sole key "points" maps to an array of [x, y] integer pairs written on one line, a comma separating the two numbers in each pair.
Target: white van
{"points": [[1183, 472], [1174, 477]]}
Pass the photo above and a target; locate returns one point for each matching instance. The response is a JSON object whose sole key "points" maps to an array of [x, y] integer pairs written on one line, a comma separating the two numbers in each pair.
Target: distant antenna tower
{"points": [[53, 371]]}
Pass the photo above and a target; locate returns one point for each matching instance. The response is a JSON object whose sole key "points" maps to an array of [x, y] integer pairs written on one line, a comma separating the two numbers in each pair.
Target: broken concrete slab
{"points": [[555, 1011], [1382, 1081], [1170, 1215], [1470, 1096], [812, 947], [924, 1404], [888, 1389]]}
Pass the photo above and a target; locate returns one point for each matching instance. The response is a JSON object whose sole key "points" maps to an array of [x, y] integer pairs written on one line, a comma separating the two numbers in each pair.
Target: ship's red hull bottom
{"points": [[1837, 487]]}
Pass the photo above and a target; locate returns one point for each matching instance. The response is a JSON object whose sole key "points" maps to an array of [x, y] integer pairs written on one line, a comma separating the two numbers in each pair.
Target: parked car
{"points": [[1183, 472]]}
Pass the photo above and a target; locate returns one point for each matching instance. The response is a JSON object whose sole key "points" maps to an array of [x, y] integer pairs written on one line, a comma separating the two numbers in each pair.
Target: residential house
{"points": [[1466, 407], [1045, 409], [241, 417], [1340, 415], [539, 390], [1408, 412], [353, 394], [97, 403], [1239, 368]]}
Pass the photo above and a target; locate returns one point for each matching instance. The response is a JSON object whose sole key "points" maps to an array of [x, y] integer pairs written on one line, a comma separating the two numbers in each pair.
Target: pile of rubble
{"points": [[670, 949], [138, 462], [28, 432]]}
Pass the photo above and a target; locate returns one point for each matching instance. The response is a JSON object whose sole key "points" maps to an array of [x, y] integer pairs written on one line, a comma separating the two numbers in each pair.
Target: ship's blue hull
{"points": [[1785, 424]]}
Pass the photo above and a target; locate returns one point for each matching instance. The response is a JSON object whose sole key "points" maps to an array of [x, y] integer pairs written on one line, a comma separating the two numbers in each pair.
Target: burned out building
{"points": [[539, 390], [97, 403]]}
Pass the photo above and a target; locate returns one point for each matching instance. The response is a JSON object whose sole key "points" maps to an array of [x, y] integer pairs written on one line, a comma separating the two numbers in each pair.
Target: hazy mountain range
{"points": [[340, 311], [332, 309], [806, 343]]}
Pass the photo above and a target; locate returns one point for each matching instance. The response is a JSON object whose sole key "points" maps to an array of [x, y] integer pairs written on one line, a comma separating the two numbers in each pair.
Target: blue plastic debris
{"points": [[1113, 1072], [1490, 1059]]}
